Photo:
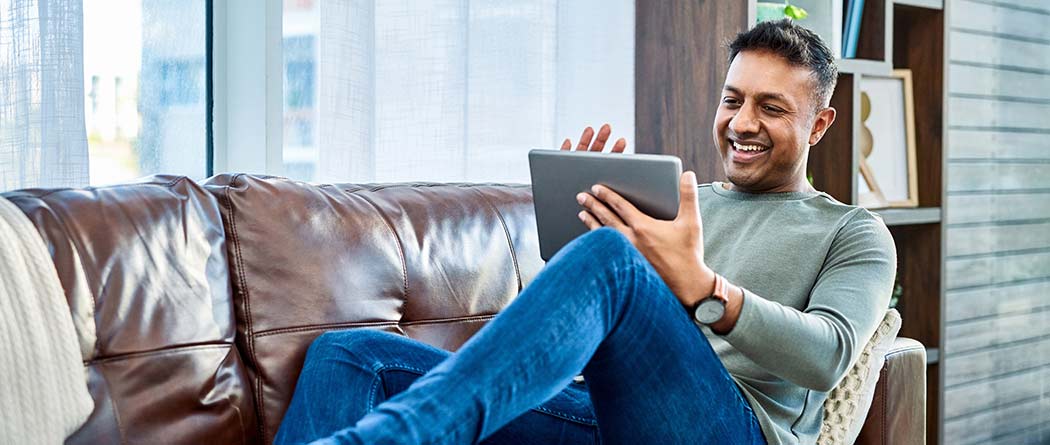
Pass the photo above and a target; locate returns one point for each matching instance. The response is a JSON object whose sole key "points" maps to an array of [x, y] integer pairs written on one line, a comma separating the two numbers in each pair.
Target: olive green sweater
{"points": [[817, 276]]}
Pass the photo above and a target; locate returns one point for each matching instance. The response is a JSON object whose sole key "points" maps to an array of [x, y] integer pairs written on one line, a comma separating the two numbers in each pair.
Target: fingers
{"points": [[623, 208], [688, 204], [589, 220], [603, 136], [600, 211], [585, 139], [600, 139]]}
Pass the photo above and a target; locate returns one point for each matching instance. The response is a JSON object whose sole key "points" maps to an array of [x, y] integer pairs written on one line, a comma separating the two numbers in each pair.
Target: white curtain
{"points": [[42, 138], [460, 90]]}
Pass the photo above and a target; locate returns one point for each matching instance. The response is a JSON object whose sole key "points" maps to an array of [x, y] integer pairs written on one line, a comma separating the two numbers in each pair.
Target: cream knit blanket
{"points": [[43, 385]]}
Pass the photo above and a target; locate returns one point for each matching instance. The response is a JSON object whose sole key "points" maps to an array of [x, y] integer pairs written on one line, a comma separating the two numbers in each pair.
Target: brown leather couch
{"points": [[205, 297]]}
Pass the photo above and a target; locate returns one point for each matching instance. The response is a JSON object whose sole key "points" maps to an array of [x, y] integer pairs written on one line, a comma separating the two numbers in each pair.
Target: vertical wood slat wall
{"points": [[997, 278]]}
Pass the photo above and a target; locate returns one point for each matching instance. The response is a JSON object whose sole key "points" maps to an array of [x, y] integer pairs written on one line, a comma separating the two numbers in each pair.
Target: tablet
{"points": [[650, 182]]}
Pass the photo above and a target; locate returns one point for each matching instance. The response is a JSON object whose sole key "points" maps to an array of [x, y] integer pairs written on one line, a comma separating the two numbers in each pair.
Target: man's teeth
{"points": [[748, 147]]}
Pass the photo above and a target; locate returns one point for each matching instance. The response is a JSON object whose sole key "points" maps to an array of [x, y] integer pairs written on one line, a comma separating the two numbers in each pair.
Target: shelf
{"points": [[933, 356], [901, 217], [928, 4], [865, 67]]}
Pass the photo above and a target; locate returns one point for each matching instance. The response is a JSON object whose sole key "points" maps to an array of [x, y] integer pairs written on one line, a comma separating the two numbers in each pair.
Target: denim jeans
{"points": [[597, 307]]}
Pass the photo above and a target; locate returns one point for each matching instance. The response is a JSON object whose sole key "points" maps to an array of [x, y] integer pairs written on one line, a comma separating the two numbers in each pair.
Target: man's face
{"points": [[766, 121]]}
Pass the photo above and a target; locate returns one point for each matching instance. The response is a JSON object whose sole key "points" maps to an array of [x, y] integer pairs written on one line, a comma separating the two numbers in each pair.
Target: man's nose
{"points": [[745, 121]]}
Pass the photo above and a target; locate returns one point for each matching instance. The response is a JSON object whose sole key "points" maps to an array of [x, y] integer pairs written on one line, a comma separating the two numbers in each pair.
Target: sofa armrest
{"points": [[898, 410]]}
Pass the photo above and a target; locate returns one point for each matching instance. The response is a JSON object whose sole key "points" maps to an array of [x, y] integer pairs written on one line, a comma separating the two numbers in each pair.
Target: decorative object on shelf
{"points": [[887, 142], [868, 192], [851, 31], [776, 11], [823, 17]]}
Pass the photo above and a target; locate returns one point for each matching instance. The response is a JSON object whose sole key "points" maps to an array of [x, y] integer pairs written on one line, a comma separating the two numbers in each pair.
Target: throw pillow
{"points": [[847, 405]]}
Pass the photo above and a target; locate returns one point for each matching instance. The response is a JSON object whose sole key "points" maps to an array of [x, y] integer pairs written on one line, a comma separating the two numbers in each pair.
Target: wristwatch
{"points": [[713, 307]]}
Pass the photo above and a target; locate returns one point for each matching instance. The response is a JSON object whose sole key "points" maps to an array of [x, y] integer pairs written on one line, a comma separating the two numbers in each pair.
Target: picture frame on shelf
{"points": [[888, 172]]}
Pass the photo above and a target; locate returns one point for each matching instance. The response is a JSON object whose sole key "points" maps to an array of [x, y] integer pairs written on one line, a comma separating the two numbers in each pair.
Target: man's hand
{"points": [[599, 142], [674, 248]]}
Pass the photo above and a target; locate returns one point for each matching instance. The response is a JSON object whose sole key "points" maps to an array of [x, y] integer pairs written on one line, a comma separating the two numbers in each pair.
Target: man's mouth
{"points": [[747, 152]]}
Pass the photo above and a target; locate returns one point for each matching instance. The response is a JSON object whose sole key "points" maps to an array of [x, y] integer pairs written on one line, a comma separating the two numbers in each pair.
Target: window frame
{"points": [[245, 54]]}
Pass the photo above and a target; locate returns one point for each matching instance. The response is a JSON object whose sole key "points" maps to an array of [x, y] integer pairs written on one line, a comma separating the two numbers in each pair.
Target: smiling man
{"points": [[728, 325]]}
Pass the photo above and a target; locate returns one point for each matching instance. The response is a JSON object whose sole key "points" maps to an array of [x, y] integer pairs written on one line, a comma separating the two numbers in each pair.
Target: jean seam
{"points": [[561, 415], [378, 371]]}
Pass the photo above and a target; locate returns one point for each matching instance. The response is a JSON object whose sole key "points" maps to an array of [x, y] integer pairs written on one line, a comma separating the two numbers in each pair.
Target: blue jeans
{"points": [[598, 307]]}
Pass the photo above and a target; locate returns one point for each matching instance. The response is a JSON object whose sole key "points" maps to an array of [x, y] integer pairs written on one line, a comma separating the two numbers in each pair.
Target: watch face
{"points": [[710, 310]]}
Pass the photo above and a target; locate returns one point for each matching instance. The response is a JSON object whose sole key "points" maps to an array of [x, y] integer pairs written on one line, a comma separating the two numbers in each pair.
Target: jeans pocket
{"points": [[572, 403]]}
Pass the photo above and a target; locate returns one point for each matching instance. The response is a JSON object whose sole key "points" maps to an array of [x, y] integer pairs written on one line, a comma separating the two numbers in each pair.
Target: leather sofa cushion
{"points": [[431, 261], [898, 410], [143, 267]]}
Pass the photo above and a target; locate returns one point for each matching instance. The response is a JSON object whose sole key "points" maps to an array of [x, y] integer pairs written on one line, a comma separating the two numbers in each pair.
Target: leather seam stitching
{"points": [[366, 324], [157, 352], [397, 241], [902, 351], [885, 432], [448, 320], [104, 187], [249, 337], [506, 231], [113, 406]]}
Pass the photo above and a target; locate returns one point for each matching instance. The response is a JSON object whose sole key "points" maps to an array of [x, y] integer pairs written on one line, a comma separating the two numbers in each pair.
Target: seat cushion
{"points": [[431, 261], [143, 268]]}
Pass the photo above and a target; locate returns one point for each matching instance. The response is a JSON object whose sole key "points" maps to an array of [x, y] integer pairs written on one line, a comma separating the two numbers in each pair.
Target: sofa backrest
{"points": [[431, 261], [143, 267]]}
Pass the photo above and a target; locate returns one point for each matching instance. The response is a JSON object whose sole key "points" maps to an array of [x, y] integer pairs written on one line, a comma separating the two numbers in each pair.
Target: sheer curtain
{"points": [[460, 90], [42, 138]]}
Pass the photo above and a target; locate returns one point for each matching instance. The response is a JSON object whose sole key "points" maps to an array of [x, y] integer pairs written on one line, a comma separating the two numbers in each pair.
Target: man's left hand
{"points": [[674, 248]]}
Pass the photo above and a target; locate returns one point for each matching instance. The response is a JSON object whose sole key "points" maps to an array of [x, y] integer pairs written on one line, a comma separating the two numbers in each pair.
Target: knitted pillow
{"points": [[847, 405]]}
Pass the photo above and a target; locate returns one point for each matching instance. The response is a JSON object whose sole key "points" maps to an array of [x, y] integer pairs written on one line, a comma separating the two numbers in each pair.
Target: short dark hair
{"points": [[796, 44]]}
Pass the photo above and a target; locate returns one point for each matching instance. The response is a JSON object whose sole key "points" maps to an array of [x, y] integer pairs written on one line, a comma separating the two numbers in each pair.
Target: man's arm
{"points": [[816, 346]]}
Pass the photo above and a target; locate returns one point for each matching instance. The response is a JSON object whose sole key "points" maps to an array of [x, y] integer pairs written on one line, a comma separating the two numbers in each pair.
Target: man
{"points": [[728, 331]]}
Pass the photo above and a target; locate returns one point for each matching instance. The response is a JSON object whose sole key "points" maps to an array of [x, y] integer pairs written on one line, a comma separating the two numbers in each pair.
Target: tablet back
{"points": [[650, 182]]}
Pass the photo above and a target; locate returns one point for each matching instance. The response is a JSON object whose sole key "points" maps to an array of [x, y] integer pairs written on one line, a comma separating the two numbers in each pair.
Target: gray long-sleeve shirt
{"points": [[817, 276]]}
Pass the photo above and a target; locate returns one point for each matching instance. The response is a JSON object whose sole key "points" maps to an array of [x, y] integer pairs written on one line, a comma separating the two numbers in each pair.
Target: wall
{"points": [[997, 350]]}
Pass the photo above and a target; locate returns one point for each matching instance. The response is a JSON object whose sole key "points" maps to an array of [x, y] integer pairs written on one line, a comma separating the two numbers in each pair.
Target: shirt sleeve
{"points": [[815, 347]]}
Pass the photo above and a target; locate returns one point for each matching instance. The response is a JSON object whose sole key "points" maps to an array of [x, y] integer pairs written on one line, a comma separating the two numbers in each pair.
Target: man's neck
{"points": [[800, 186]]}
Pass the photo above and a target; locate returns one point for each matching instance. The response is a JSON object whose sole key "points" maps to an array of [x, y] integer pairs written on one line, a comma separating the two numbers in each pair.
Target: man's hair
{"points": [[798, 46]]}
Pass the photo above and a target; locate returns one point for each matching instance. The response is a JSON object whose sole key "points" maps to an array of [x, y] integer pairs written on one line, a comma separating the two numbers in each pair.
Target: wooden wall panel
{"points": [[676, 85], [997, 268]]}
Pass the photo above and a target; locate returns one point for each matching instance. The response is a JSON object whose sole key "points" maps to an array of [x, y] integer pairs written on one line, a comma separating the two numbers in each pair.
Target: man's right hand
{"points": [[599, 142]]}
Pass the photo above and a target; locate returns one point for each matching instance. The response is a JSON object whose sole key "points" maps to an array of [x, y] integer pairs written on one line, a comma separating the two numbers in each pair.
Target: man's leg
{"points": [[653, 377], [347, 373]]}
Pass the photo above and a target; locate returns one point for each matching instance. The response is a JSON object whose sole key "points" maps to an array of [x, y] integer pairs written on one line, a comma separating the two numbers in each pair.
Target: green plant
{"points": [[794, 12], [895, 297], [777, 11]]}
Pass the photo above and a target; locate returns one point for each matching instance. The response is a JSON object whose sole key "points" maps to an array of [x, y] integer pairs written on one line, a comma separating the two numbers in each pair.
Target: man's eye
{"points": [[773, 109], [729, 101]]}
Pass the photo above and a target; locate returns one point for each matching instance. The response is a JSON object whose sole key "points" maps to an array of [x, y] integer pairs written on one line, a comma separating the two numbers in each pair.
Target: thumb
{"points": [[688, 204]]}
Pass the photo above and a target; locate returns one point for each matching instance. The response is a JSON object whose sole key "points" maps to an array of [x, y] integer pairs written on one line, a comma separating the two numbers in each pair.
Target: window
{"points": [[144, 84], [448, 90]]}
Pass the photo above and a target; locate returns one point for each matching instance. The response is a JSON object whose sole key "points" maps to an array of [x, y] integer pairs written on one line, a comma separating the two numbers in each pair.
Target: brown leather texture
{"points": [[206, 297], [146, 263], [898, 410], [432, 261]]}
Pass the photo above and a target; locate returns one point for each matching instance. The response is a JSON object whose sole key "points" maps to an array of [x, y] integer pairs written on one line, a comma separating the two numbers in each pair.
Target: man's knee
{"points": [[608, 241]]}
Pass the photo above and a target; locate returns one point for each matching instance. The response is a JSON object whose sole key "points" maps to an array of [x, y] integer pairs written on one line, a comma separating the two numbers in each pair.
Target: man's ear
{"points": [[821, 122]]}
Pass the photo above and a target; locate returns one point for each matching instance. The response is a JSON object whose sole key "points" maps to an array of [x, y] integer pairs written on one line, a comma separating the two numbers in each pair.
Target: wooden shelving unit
{"points": [[680, 66]]}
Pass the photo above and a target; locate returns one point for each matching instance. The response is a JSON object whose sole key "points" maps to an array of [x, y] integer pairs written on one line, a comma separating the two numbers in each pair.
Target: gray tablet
{"points": [[650, 182]]}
